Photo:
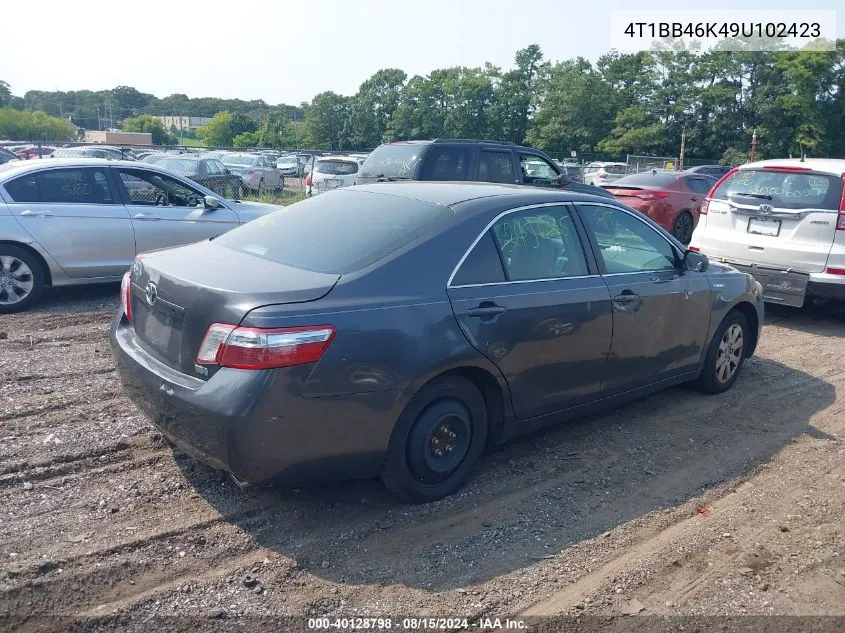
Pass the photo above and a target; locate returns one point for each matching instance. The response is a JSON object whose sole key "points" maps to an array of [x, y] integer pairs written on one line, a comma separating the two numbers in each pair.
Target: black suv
{"points": [[467, 159]]}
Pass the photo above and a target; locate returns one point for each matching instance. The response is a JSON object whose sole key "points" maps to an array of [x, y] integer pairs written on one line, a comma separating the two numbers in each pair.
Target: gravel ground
{"points": [[678, 505]]}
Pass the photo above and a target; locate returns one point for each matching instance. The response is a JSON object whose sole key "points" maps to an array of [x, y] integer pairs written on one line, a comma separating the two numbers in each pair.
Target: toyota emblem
{"points": [[765, 209], [151, 293]]}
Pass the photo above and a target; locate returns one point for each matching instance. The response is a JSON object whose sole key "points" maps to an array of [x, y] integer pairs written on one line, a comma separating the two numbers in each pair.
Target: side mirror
{"points": [[563, 181], [211, 203], [695, 261]]}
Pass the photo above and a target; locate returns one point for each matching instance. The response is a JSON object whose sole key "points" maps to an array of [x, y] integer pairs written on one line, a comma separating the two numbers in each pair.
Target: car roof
{"points": [[834, 166], [351, 159], [452, 193], [21, 167]]}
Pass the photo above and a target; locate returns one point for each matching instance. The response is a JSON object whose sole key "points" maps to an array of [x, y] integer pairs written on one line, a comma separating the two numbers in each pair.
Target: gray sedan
{"points": [[83, 220], [399, 329]]}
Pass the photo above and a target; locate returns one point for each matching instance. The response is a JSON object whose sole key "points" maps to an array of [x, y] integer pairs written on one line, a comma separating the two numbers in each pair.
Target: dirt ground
{"points": [[678, 505]]}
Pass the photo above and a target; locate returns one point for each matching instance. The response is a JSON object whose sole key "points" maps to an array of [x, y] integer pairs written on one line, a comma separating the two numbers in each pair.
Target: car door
{"points": [[528, 298], [167, 212], [661, 313], [75, 214]]}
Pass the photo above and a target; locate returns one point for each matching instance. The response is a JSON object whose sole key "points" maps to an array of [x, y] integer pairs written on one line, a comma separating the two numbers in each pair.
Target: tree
{"points": [[5, 94], [17, 125], [151, 124], [325, 122], [224, 127]]}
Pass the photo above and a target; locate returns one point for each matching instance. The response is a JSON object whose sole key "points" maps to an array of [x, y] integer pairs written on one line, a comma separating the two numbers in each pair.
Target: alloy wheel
{"points": [[730, 353], [16, 280]]}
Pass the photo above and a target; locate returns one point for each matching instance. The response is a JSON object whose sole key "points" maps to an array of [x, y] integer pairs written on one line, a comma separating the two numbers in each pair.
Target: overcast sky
{"points": [[288, 51]]}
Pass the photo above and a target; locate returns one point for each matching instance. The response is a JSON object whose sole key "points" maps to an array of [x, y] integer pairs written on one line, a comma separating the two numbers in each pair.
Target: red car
{"points": [[33, 152], [670, 198]]}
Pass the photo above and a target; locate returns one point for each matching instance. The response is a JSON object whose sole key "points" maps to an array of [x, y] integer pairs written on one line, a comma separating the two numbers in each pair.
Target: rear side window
{"points": [[482, 266], [338, 232], [69, 186], [700, 185], [336, 167], [394, 160], [495, 167], [783, 189], [446, 163], [616, 170]]}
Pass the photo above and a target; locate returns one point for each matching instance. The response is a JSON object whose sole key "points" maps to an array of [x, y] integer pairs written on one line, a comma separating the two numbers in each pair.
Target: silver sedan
{"points": [[83, 220]]}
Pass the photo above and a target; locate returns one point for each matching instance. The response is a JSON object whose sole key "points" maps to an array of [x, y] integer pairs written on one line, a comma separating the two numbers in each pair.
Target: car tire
{"points": [[683, 227], [437, 441], [725, 354], [26, 272]]}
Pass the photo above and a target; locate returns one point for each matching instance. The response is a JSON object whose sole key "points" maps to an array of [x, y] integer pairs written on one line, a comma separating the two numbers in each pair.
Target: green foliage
{"points": [[17, 125], [5, 94], [151, 124], [224, 127]]}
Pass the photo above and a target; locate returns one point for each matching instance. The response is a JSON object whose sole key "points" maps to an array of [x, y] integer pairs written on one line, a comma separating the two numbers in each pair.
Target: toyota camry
{"points": [[399, 329]]}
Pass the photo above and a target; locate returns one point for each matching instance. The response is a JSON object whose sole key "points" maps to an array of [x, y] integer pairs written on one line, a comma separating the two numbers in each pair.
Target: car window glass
{"points": [[482, 265], [699, 185], [627, 244], [540, 244], [783, 189], [149, 188], [68, 186], [495, 167], [536, 170], [446, 163]]}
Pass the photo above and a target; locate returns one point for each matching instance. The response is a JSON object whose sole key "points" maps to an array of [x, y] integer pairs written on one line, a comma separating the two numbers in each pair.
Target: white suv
{"points": [[783, 221], [598, 174]]}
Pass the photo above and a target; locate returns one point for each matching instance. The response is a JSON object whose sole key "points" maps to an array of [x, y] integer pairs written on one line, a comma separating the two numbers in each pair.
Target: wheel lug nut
{"points": [[449, 449], [453, 435]]}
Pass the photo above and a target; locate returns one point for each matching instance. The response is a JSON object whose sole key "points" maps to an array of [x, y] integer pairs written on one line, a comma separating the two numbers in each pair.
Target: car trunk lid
{"points": [[783, 218], [171, 310]]}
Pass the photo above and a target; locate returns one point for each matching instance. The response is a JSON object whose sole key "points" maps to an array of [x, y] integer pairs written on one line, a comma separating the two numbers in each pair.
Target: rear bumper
{"points": [[790, 287], [254, 424]]}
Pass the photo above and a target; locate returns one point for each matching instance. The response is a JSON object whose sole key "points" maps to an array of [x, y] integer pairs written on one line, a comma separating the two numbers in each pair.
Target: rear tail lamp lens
{"points": [[126, 294], [263, 348]]}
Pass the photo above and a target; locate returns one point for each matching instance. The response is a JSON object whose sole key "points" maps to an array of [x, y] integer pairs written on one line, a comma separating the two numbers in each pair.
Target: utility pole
{"points": [[181, 131], [683, 145], [295, 128], [99, 124], [753, 145]]}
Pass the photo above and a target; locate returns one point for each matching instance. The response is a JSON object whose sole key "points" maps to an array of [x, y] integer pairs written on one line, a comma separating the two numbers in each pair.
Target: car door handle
{"points": [[625, 297], [36, 214], [145, 216], [486, 311]]}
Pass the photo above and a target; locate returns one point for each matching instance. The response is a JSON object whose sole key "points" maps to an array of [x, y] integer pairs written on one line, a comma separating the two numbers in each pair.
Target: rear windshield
{"points": [[396, 160], [783, 189], [179, 165], [335, 167], [337, 232], [646, 179], [618, 170]]}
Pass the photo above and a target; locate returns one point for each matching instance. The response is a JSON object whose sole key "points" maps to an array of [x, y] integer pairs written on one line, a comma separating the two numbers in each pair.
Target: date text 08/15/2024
{"points": [[417, 624]]}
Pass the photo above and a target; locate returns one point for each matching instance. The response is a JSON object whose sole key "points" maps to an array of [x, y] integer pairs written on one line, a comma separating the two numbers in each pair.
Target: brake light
{"points": [[836, 271], [308, 180], [840, 222], [693, 248], [263, 348], [126, 294]]}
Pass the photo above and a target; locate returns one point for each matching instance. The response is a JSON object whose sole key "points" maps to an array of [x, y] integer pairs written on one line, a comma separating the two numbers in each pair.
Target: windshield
{"points": [[338, 232], [335, 167], [394, 160], [784, 189], [236, 159], [287, 160], [647, 179]]}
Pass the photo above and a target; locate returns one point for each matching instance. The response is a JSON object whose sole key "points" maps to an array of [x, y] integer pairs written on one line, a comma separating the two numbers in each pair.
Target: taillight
{"points": [[263, 348], [712, 192], [308, 180], [126, 294], [693, 248], [836, 271], [602, 175], [840, 222]]}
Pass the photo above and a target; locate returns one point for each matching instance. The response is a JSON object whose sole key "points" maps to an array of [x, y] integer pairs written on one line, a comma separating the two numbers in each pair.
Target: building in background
{"points": [[183, 123], [118, 138]]}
